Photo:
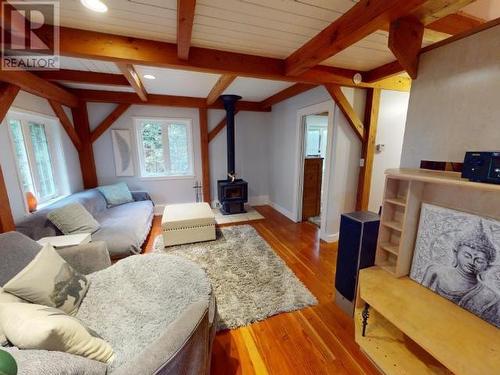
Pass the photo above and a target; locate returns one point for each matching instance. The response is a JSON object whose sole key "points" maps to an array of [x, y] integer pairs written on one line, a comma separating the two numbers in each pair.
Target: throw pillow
{"points": [[7, 298], [116, 194], [50, 281], [30, 326], [72, 219]]}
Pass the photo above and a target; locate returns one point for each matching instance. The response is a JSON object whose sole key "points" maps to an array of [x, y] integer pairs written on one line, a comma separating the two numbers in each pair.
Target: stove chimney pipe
{"points": [[229, 104]]}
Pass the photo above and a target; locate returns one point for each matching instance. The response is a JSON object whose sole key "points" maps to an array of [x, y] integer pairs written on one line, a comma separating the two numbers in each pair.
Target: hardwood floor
{"points": [[315, 340]]}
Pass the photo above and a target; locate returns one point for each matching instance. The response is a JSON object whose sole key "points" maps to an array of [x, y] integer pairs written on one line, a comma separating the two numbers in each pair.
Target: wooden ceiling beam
{"points": [[108, 121], [405, 41], [185, 19], [116, 48], [385, 71], [432, 10], [8, 93], [66, 124], [83, 77], [134, 80], [346, 108], [455, 23], [222, 84], [97, 96], [287, 93], [363, 19], [33, 84]]}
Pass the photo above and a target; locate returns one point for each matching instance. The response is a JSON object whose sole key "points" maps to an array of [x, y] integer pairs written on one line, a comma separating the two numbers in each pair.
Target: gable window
{"points": [[165, 147], [34, 156]]}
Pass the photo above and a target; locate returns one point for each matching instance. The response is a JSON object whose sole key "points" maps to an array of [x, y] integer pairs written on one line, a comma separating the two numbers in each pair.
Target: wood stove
{"points": [[232, 192]]}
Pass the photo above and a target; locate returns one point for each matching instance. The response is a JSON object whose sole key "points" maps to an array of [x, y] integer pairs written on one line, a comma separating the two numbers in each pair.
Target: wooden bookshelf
{"points": [[412, 330]]}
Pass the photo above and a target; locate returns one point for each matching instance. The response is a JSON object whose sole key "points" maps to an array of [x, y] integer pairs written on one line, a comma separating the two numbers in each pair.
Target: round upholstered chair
{"points": [[157, 311]]}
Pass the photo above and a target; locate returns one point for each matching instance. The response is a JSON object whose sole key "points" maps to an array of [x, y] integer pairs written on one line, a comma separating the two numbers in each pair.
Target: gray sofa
{"points": [[177, 339], [124, 228]]}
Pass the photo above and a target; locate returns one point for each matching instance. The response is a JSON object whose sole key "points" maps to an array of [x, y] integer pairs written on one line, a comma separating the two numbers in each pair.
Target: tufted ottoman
{"points": [[187, 223]]}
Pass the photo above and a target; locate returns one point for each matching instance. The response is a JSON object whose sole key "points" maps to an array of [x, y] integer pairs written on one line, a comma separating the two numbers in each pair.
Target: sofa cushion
{"points": [[73, 219], [16, 251], [116, 194], [31, 326], [50, 281], [7, 298], [145, 293], [36, 362], [125, 227]]}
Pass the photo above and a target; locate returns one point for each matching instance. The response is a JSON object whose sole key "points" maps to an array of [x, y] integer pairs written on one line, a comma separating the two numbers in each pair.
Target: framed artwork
{"points": [[457, 255], [123, 153]]}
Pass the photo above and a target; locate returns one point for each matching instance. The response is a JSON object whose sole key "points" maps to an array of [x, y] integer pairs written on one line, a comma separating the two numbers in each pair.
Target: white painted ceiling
{"points": [[73, 63], [86, 86], [255, 89]]}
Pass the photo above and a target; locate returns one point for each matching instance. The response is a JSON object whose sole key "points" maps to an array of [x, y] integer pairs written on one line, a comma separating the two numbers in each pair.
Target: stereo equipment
{"points": [[482, 166], [357, 246]]}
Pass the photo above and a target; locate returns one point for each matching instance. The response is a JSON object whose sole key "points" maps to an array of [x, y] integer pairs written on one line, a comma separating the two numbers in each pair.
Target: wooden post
{"points": [[86, 153], [205, 160], [368, 148]]}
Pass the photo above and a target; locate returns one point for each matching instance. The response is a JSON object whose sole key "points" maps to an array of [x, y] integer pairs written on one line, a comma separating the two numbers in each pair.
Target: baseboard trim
{"points": [[283, 211], [330, 237]]}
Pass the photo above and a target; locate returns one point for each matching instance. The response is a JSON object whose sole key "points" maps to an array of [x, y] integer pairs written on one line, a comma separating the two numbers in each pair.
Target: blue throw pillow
{"points": [[116, 194]]}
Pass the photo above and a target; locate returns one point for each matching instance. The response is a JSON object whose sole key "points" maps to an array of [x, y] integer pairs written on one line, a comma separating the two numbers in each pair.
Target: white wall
{"points": [[252, 131], [284, 154], [27, 102], [390, 132], [455, 101]]}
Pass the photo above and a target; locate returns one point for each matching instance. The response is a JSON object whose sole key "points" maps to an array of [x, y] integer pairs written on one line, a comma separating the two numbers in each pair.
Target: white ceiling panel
{"points": [[177, 82], [88, 86], [255, 89], [73, 63]]}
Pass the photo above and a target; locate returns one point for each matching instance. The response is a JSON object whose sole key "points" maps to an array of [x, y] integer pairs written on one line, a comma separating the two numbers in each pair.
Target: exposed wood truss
{"points": [[433, 10], [346, 108], [368, 148], [133, 78], [405, 40], [6, 219], [289, 92], [205, 157], [363, 19], [223, 83], [33, 84], [109, 47], [66, 124], [221, 125], [455, 23], [185, 19], [108, 121], [86, 153], [160, 100], [384, 71], [83, 77], [8, 93]]}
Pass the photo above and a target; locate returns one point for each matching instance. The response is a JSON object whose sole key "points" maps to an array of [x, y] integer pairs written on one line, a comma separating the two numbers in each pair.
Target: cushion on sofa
{"points": [[50, 281], [7, 298], [116, 194], [31, 326], [73, 219]]}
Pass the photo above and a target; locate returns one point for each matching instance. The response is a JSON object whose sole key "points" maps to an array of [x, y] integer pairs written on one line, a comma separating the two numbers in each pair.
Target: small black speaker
{"points": [[356, 250]]}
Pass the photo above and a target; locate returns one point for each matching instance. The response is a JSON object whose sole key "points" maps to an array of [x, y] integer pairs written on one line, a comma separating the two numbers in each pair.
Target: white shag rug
{"points": [[250, 281]]}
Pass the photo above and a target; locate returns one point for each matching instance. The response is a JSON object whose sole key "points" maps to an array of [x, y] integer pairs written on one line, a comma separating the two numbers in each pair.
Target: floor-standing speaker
{"points": [[356, 250]]}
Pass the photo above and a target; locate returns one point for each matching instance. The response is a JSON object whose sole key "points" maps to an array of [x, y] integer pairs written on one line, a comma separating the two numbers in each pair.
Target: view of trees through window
{"points": [[33, 157], [165, 148]]}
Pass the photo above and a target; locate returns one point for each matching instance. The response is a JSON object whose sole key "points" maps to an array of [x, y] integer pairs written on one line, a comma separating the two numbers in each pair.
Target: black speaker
{"points": [[356, 250]]}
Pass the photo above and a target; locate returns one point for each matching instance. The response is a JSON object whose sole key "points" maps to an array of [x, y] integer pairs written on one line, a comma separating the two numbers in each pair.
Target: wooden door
{"points": [[311, 196]]}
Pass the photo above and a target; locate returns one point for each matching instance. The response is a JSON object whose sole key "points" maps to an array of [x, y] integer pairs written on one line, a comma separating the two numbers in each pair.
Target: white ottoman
{"points": [[187, 223]]}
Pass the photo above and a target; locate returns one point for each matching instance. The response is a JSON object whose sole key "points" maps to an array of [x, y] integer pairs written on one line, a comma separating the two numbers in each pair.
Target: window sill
{"points": [[49, 202], [159, 178]]}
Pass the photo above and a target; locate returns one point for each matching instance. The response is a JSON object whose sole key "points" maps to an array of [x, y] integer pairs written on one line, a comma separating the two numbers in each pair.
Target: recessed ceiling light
{"points": [[149, 76], [95, 5]]}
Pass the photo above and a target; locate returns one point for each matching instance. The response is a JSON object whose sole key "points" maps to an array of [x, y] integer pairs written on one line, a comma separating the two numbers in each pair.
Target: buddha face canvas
{"points": [[457, 255]]}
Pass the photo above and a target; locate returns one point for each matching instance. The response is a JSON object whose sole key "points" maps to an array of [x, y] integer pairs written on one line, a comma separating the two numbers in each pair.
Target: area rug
{"points": [[250, 281]]}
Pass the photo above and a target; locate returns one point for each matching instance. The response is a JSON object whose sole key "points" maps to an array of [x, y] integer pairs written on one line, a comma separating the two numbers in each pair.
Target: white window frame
{"points": [[50, 123], [138, 124]]}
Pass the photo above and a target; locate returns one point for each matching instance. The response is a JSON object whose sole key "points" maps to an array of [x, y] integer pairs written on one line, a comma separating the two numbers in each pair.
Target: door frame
{"points": [[299, 167]]}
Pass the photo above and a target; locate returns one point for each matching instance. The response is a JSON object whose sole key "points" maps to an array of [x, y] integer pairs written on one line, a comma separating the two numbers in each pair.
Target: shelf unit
{"points": [[412, 330]]}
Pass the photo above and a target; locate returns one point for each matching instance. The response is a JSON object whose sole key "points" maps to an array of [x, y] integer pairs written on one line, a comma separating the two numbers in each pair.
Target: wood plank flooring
{"points": [[315, 340]]}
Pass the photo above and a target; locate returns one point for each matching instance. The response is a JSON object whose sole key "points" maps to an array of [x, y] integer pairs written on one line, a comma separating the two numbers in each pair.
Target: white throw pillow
{"points": [[31, 326], [7, 298], [49, 280]]}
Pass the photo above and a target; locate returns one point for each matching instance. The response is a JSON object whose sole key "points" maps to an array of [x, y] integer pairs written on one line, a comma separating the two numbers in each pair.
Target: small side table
{"points": [[67, 240]]}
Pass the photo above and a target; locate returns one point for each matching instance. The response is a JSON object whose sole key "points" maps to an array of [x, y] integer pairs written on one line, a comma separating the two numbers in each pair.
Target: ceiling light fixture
{"points": [[149, 76], [95, 5]]}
